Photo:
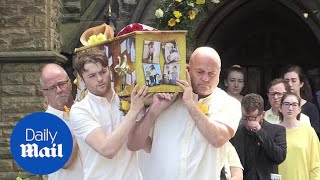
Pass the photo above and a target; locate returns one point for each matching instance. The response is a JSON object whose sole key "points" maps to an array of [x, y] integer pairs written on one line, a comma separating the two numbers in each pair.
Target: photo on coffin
{"points": [[151, 51], [152, 74], [171, 52], [171, 73], [132, 51]]}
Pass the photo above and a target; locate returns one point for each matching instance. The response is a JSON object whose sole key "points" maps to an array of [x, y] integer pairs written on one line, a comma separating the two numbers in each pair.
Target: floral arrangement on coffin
{"points": [[179, 14], [135, 27], [96, 35]]}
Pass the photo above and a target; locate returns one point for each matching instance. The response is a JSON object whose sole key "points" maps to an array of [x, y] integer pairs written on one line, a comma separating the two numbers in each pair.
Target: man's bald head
{"points": [[56, 86], [204, 68], [50, 70], [207, 53]]}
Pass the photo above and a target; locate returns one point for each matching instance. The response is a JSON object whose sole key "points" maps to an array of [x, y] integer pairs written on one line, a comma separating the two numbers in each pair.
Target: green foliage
{"points": [[179, 14]]}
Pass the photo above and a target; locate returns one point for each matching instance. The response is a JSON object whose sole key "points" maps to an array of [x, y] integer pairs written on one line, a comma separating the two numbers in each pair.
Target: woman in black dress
{"points": [[299, 84]]}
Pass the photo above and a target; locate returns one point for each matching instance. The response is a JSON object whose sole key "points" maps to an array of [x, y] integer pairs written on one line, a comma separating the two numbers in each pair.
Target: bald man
{"points": [[56, 87], [185, 142]]}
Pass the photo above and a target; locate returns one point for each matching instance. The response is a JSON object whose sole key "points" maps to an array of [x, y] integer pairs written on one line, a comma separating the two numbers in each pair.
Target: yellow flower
{"points": [[192, 14], [125, 105], [92, 39], [159, 13], [200, 1], [177, 20], [101, 37], [191, 4], [66, 109], [177, 14], [203, 108], [179, 1], [172, 22]]}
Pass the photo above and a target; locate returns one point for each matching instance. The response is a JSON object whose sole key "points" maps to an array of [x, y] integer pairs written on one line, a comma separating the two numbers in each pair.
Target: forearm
{"points": [[236, 173], [139, 135], [115, 140], [216, 133]]}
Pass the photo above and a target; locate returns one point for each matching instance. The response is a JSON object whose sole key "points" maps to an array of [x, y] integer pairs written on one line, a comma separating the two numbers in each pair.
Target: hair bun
{"points": [[236, 66]]}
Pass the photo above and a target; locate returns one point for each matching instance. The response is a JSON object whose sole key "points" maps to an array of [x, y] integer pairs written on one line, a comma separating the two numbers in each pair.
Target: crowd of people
{"points": [[234, 139]]}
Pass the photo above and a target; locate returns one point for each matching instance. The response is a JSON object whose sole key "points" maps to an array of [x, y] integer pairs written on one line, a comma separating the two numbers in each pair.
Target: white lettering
{"points": [[54, 137], [27, 133], [46, 135], [31, 150]]}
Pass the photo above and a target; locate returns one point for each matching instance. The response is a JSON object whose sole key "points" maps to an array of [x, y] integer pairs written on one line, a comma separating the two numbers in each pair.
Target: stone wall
{"points": [[29, 38], [27, 25], [20, 96]]}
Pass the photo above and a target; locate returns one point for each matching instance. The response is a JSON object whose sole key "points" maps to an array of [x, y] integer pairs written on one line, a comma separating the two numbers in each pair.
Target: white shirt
{"points": [[231, 159], [93, 112], [179, 151], [75, 171]]}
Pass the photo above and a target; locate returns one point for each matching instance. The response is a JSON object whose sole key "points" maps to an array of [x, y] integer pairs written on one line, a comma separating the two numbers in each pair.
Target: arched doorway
{"points": [[262, 36]]}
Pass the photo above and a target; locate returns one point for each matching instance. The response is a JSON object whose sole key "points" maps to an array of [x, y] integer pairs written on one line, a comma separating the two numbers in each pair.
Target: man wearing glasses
{"points": [[57, 88], [276, 89], [261, 145]]}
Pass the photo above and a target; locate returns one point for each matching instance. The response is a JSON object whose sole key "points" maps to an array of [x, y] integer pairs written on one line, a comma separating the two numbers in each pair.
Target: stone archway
{"points": [[262, 36]]}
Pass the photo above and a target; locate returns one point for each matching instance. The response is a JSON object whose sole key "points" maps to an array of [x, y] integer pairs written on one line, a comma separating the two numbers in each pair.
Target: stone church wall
{"points": [[29, 38]]}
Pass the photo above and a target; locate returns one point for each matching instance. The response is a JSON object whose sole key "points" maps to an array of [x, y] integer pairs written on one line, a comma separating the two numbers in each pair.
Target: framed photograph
{"points": [[151, 52], [171, 52], [152, 74], [171, 73]]}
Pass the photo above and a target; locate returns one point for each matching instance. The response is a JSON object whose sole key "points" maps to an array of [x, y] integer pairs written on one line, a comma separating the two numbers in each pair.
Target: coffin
{"points": [[152, 58]]}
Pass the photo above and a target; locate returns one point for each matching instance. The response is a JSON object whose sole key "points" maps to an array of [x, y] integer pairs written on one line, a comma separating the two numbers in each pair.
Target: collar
{"points": [[206, 99], [55, 111], [100, 98]]}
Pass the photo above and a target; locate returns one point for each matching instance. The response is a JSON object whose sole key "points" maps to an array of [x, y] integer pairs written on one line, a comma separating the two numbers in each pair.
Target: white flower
{"points": [[159, 13], [305, 15], [216, 1]]}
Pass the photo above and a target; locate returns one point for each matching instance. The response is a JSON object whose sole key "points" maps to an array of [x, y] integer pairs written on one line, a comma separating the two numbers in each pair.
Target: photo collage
{"points": [[151, 62]]}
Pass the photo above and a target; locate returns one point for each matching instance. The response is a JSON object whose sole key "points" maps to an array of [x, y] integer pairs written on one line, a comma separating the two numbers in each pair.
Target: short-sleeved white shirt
{"points": [[179, 151], [231, 158], [93, 112], [75, 170]]}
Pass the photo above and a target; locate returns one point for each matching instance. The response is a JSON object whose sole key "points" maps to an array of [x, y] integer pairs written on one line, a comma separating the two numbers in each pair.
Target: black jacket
{"points": [[260, 153]]}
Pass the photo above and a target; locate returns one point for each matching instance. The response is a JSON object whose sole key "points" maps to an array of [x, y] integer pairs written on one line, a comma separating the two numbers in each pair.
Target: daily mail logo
{"points": [[41, 143], [32, 150]]}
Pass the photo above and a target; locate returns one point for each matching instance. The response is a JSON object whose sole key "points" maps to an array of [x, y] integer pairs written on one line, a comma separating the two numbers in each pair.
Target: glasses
{"points": [[250, 118], [279, 94], [53, 88], [294, 105]]}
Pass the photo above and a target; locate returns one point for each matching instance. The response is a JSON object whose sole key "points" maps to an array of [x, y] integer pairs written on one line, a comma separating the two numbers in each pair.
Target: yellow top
{"points": [[303, 159]]}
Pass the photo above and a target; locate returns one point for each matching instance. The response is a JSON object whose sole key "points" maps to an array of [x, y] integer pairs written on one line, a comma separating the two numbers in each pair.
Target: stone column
{"points": [[29, 38]]}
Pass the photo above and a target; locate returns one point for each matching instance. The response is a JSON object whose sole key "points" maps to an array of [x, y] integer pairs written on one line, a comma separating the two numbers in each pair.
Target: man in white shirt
{"points": [[99, 125], [56, 87], [185, 142], [276, 89]]}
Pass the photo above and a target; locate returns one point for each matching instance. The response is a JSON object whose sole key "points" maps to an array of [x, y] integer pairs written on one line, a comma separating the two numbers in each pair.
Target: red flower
{"points": [[136, 27], [126, 30]]}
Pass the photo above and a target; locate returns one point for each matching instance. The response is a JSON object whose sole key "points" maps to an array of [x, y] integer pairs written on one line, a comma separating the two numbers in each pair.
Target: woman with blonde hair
{"points": [[303, 160]]}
